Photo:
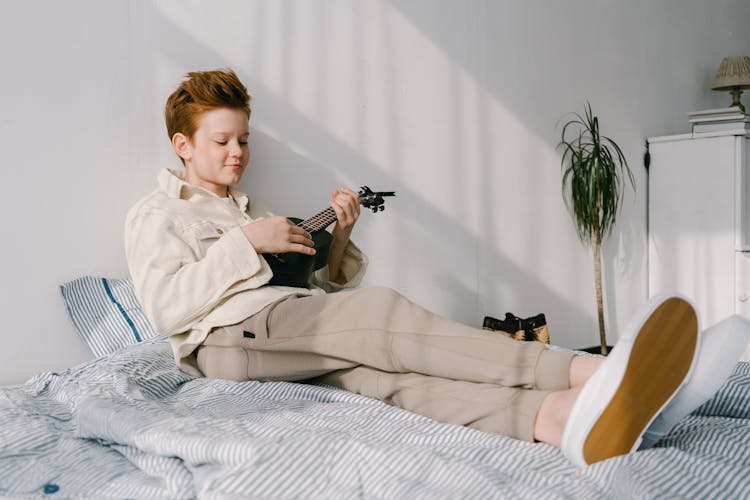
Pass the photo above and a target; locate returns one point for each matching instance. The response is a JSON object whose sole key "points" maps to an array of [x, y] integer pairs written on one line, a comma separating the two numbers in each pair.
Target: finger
{"points": [[347, 200], [353, 200], [348, 203], [348, 194], [299, 230], [336, 197], [285, 228], [296, 247], [302, 239], [351, 211], [344, 203], [340, 214], [351, 193], [345, 194], [299, 235]]}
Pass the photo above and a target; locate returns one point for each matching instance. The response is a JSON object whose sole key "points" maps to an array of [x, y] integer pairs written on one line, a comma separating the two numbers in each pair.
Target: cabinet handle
{"points": [[743, 297]]}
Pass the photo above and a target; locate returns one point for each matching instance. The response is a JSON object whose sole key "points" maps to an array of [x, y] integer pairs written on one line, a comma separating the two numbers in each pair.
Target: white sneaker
{"points": [[719, 349], [652, 358]]}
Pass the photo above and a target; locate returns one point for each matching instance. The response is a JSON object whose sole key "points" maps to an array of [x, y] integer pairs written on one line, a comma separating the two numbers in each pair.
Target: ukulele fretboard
{"points": [[319, 221], [367, 198]]}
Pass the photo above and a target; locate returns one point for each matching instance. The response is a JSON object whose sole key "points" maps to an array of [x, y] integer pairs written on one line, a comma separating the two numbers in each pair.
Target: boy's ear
{"points": [[180, 144]]}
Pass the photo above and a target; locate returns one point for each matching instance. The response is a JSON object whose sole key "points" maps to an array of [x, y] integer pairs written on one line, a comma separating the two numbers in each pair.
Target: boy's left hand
{"points": [[345, 203]]}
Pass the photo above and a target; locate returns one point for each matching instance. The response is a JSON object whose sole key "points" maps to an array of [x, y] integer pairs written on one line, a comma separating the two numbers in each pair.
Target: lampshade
{"points": [[733, 72], [733, 75]]}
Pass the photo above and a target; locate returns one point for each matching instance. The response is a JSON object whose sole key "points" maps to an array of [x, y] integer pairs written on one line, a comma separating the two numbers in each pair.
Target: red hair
{"points": [[203, 91]]}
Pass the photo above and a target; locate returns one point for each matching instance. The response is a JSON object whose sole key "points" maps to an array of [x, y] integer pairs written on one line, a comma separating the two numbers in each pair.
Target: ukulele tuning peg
{"points": [[382, 207], [374, 209]]}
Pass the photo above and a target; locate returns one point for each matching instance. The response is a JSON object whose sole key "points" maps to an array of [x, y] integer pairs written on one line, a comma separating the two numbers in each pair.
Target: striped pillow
{"points": [[106, 314]]}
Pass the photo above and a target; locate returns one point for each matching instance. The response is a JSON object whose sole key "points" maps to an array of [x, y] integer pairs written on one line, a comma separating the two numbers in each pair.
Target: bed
{"points": [[129, 424]]}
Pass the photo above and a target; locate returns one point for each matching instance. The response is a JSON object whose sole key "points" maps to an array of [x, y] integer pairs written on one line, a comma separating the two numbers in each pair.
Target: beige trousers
{"points": [[373, 341]]}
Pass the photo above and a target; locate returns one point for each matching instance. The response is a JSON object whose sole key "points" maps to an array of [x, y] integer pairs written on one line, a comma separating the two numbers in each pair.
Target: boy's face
{"points": [[218, 153]]}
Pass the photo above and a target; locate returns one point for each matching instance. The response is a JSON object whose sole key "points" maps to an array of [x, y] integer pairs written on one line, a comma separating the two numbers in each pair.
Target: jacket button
{"points": [[220, 231]]}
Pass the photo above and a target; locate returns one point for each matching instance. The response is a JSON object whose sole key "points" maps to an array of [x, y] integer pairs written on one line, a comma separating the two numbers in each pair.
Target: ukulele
{"points": [[294, 269]]}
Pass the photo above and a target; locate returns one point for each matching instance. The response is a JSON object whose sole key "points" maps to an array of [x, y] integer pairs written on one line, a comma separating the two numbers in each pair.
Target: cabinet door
{"points": [[691, 223], [742, 290], [742, 193]]}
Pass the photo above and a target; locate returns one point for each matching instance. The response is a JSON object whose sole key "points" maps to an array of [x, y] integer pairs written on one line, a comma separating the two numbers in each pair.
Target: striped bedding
{"points": [[130, 424]]}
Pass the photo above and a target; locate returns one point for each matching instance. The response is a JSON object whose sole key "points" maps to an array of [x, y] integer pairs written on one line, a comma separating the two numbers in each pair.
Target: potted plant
{"points": [[593, 168]]}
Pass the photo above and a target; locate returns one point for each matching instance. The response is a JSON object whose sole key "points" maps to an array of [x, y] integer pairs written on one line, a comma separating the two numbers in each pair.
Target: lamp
{"points": [[734, 76]]}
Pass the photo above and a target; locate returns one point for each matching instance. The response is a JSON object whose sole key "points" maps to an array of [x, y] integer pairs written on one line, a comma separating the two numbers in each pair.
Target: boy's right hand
{"points": [[278, 235]]}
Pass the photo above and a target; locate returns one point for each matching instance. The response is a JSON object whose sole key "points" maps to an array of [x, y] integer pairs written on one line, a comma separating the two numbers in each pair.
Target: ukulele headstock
{"points": [[373, 199]]}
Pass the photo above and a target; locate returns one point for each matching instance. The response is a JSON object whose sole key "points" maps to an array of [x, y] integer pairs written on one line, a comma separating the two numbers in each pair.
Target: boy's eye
{"points": [[221, 142]]}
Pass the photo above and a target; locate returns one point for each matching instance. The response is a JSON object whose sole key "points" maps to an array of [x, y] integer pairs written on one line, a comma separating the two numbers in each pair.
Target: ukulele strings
{"points": [[324, 218], [318, 221]]}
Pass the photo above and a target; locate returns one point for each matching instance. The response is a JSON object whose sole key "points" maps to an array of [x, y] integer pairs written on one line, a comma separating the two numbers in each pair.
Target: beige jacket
{"points": [[194, 269]]}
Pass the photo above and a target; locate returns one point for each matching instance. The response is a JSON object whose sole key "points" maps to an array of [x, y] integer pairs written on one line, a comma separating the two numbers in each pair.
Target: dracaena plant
{"points": [[594, 169]]}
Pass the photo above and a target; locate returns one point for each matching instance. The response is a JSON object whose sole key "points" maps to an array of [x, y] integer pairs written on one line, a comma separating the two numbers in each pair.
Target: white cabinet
{"points": [[699, 221]]}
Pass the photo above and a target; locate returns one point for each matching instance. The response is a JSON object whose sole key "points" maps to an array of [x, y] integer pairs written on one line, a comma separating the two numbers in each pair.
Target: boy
{"points": [[195, 249]]}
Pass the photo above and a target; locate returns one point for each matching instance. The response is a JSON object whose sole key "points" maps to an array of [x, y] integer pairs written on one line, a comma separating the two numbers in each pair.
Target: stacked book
{"points": [[716, 120]]}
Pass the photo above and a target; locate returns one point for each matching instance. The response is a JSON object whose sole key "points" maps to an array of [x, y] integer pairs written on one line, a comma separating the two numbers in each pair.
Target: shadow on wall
{"points": [[291, 168], [637, 58]]}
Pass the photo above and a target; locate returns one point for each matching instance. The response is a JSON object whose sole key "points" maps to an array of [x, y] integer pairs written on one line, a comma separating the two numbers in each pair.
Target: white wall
{"points": [[454, 104]]}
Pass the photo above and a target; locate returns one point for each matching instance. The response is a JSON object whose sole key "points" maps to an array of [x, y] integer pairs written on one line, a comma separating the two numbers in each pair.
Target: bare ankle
{"points": [[581, 369], [553, 415]]}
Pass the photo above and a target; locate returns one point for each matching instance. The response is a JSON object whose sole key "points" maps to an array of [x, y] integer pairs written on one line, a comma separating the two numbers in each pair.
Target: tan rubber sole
{"points": [[659, 361]]}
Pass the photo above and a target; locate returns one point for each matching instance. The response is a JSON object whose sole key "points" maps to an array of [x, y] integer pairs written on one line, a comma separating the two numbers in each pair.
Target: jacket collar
{"points": [[174, 185]]}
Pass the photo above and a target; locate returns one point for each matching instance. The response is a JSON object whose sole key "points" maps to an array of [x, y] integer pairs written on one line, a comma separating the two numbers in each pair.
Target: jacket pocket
{"points": [[205, 234]]}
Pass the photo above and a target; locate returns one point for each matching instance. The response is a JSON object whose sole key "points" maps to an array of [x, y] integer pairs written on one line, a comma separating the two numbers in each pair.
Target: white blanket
{"points": [[132, 425]]}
